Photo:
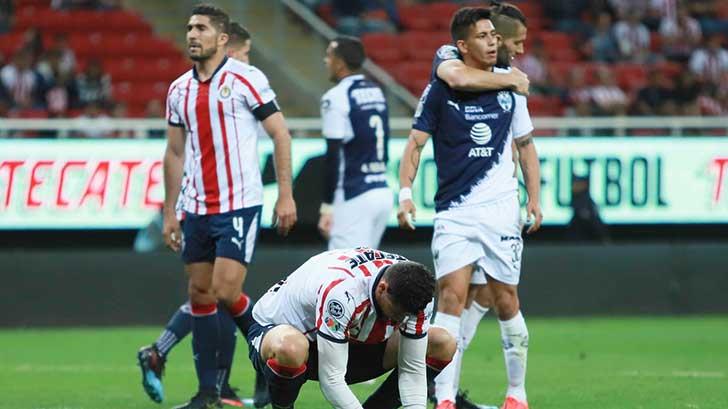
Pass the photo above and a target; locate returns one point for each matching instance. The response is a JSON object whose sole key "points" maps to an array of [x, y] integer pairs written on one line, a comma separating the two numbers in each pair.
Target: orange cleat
{"points": [[446, 404], [513, 403]]}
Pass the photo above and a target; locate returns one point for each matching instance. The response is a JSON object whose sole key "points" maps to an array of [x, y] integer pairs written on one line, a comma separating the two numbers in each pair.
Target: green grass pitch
{"points": [[589, 363]]}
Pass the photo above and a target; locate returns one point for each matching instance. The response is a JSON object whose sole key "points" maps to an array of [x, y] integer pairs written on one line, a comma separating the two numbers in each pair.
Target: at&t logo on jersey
{"points": [[481, 134]]}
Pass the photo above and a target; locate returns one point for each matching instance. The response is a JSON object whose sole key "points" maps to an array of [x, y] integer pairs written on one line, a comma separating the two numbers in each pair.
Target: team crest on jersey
{"points": [[225, 92], [448, 52], [333, 325], [505, 100], [335, 309]]}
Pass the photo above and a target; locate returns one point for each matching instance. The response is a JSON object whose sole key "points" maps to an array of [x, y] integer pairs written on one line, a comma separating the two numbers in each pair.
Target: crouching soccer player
{"points": [[347, 316]]}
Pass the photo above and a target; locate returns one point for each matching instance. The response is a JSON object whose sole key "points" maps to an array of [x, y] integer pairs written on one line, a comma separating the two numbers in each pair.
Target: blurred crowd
{"points": [[42, 80], [680, 45]]}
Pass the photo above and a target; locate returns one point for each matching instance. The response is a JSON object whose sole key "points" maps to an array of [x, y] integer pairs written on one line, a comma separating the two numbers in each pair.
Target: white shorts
{"points": [[360, 222], [486, 236]]}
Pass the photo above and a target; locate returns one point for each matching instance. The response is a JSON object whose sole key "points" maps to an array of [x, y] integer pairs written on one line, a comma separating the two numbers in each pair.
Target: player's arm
{"points": [[284, 214], [459, 76], [412, 371], [334, 127], [531, 168], [408, 167], [333, 357], [174, 158]]}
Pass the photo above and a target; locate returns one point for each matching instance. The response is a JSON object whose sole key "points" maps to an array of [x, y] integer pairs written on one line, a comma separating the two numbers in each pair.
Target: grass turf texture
{"points": [[641, 363]]}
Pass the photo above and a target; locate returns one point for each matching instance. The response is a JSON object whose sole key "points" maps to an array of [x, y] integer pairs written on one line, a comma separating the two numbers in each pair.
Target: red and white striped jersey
{"points": [[221, 171], [333, 294]]}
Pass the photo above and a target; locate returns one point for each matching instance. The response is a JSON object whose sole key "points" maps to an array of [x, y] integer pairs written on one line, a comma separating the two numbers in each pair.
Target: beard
{"points": [[504, 57], [204, 54]]}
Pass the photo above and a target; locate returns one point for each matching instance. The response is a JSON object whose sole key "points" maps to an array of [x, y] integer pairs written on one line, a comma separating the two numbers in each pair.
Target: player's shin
{"points": [[242, 313], [178, 327], [514, 335], [228, 339], [205, 345], [284, 383]]}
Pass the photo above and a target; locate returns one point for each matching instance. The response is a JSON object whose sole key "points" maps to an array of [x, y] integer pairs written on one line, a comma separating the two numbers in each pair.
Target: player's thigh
{"points": [[197, 245], [235, 233]]}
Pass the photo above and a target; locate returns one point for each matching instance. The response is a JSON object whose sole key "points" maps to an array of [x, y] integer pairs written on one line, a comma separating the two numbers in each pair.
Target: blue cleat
{"points": [[152, 365]]}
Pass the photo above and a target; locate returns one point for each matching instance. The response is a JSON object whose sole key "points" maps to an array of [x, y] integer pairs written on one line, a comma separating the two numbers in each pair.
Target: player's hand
{"points": [[284, 215], [406, 214], [521, 83], [533, 209], [172, 232], [324, 225]]}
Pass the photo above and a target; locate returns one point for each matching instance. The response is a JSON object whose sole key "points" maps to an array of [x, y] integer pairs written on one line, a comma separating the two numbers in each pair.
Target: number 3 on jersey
{"points": [[376, 122]]}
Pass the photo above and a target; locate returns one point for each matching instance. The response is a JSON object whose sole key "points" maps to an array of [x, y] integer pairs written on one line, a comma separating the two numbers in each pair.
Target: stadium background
{"points": [[644, 126]]}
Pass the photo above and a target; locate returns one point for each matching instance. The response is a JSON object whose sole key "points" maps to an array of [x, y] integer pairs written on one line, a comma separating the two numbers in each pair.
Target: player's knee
{"points": [[200, 295], [440, 344], [290, 349], [225, 292], [506, 303]]}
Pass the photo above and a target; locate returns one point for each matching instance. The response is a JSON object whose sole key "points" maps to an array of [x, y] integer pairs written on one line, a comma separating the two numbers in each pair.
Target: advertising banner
{"points": [[118, 184]]}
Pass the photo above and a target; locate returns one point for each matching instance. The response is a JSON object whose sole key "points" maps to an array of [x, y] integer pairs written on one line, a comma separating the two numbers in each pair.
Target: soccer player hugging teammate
{"points": [[477, 238], [213, 112], [355, 123], [347, 316]]}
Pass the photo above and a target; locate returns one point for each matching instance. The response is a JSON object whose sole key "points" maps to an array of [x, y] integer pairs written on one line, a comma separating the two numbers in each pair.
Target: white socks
{"points": [[514, 335], [443, 381], [448, 381]]}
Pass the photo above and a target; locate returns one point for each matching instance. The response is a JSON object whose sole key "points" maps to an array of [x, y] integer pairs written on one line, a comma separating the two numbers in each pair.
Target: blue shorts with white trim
{"points": [[231, 235]]}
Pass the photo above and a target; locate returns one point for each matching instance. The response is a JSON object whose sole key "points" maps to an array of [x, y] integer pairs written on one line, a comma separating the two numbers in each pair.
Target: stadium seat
{"points": [[421, 45], [416, 17], [630, 76], [441, 13], [382, 48]]}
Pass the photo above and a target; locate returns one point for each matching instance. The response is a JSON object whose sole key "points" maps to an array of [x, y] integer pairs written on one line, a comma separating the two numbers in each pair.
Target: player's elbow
{"points": [[456, 81]]}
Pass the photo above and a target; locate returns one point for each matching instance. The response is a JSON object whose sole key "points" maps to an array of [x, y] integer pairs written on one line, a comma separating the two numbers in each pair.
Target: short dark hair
{"points": [[238, 34], [498, 8], [351, 51], [465, 18], [218, 17], [411, 285]]}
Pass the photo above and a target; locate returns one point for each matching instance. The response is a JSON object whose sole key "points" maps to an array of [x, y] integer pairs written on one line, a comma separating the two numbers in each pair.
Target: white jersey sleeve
{"points": [[412, 372], [521, 124], [335, 308], [173, 94], [335, 122], [333, 357], [256, 90]]}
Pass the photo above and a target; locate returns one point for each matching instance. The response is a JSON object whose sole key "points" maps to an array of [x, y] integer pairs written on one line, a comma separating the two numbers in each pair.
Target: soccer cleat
{"points": [[463, 402], [152, 365], [446, 404], [513, 403], [202, 400], [229, 396], [261, 397]]}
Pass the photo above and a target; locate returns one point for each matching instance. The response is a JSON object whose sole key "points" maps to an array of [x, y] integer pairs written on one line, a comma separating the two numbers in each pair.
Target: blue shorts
{"points": [[365, 361], [231, 235]]}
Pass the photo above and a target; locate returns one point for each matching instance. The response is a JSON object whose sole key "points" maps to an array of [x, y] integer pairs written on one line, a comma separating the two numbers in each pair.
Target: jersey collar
{"points": [[197, 78], [352, 77]]}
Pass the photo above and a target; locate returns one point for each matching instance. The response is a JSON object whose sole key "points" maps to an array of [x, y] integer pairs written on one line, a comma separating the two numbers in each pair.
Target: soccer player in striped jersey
{"points": [[152, 358], [211, 160], [346, 316]]}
